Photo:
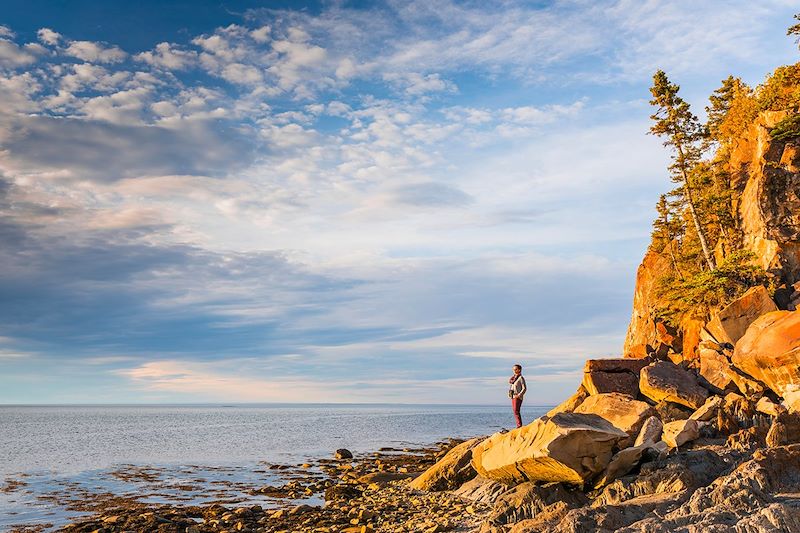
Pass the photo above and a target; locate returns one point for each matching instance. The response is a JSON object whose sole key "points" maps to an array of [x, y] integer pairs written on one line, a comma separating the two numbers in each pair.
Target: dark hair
{"points": [[518, 366]]}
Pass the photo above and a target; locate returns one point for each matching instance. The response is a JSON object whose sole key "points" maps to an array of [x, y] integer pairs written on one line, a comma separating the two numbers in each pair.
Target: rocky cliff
{"points": [[765, 175]]}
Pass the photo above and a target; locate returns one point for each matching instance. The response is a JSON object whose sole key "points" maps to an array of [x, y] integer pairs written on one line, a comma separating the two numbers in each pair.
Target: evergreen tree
{"points": [[682, 132], [795, 29], [667, 230], [732, 107]]}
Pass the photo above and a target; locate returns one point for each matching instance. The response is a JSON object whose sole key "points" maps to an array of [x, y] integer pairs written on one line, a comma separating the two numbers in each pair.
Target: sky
{"points": [[241, 201]]}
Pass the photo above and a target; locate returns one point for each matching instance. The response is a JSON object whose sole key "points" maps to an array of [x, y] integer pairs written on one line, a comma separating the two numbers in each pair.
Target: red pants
{"points": [[516, 403]]}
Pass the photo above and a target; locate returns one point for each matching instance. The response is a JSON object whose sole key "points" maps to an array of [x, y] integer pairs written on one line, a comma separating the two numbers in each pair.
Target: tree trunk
{"points": [[700, 234]]}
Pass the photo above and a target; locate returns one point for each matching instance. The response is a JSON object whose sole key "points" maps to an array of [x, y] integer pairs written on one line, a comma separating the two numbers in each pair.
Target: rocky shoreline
{"points": [[368, 492]]}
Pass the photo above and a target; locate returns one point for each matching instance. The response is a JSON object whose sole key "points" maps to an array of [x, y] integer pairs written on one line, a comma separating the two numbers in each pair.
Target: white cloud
{"points": [[14, 56], [168, 56], [416, 84], [95, 52], [5, 31], [48, 36]]}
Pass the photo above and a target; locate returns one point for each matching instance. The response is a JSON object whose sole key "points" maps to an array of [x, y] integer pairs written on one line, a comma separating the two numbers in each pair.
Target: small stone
{"points": [[343, 453]]}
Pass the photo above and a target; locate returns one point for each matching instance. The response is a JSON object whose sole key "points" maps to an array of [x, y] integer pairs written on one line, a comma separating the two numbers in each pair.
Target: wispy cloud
{"points": [[420, 192]]}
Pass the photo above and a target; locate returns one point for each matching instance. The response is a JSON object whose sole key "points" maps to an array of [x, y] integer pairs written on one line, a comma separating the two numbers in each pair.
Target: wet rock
{"points": [[569, 447], [343, 453], [451, 471], [342, 491], [667, 381]]}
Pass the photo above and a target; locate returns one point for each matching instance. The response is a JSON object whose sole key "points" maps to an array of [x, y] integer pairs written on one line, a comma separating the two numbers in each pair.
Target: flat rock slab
{"points": [[633, 366], [568, 447], [667, 381]]}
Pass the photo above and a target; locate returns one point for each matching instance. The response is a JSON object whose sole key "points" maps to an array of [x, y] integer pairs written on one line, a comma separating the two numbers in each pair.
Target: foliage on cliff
{"points": [[697, 227]]}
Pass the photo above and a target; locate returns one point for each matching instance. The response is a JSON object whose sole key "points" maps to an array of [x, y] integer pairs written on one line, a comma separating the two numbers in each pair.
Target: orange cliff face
{"points": [[643, 330], [766, 175]]}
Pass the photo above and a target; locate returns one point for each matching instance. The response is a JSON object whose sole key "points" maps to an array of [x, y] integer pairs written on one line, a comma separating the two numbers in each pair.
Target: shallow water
{"points": [[201, 453]]}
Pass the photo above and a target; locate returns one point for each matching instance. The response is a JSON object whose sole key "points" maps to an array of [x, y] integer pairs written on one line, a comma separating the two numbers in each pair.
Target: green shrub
{"points": [[698, 295], [787, 129]]}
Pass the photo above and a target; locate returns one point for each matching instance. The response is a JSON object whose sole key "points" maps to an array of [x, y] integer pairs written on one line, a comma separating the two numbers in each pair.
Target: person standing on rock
{"points": [[516, 390]]}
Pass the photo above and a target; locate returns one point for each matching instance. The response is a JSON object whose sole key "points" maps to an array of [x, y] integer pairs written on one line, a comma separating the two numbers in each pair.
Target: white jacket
{"points": [[519, 388]]}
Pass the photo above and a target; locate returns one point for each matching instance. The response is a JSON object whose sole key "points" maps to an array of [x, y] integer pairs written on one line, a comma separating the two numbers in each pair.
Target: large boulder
{"points": [[569, 405], [680, 432], [667, 381], [604, 382], [613, 375], [730, 324], [568, 447], [770, 350], [720, 373], [621, 410], [449, 472]]}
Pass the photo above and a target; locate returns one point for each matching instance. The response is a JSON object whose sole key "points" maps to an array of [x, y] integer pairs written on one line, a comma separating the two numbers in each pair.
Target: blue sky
{"points": [[311, 202]]}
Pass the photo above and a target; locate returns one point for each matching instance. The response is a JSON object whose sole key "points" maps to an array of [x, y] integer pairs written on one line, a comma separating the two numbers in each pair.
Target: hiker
{"points": [[516, 390]]}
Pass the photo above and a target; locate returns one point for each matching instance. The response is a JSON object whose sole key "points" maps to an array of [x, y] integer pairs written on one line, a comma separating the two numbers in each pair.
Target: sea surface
{"points": [[52, 458]]}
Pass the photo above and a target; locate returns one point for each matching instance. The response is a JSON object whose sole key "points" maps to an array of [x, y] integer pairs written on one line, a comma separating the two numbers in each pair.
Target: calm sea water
{"points": [[56, 450]]}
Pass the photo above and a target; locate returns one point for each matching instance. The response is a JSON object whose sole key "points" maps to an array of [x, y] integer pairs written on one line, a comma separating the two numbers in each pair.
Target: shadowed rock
{"points": [[667, 381]]}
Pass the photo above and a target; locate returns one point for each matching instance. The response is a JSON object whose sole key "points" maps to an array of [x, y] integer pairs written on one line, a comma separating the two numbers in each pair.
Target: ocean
{"points": [[55, 458]]}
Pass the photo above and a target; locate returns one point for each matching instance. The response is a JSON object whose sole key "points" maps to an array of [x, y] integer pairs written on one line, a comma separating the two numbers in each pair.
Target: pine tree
{"points": [[686, 136], [732, 107], [795, 29], [667, 229]]}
